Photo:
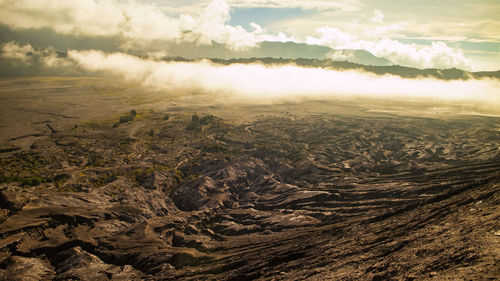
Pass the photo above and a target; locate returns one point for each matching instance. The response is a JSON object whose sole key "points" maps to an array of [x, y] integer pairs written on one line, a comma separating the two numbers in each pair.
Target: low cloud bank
{"points": [[261, 83]]}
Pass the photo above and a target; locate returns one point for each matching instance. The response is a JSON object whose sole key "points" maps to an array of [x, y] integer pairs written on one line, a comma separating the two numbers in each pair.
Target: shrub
{"points": [[94, 159], [207, 119], [32, 181], [125, 119], [140, 175], [195, 123]]}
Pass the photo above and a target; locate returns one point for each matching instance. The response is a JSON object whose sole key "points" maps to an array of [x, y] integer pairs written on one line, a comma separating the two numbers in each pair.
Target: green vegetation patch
{"points": [[140, 175], [199, 124], [126, 118], [28, 168]]}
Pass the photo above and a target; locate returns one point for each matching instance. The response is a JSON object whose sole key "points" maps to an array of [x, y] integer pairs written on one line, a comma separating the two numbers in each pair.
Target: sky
{"points": [[422, 34]]}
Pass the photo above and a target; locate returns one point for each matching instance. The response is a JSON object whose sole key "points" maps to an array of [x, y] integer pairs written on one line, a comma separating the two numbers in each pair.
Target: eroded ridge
{"points": [[318, 196]]}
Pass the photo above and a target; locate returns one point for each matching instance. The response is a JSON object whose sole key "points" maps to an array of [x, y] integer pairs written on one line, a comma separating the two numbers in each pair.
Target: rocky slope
{"points": [[316, 196]]}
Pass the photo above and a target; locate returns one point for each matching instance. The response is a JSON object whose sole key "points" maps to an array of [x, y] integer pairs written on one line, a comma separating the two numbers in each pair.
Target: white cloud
{"points": [[344, 5], [261, 35], [437, 55], [15, 52], [378, 17], [211, 25], [331, 37], [340, 55], [133, 20], [387, 30], [147, 22], [87, 16], [27, 55], [238, 81]]}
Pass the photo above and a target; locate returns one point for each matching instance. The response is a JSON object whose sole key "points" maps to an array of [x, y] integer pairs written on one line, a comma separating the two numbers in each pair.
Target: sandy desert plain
{"points": [[104, 180]]}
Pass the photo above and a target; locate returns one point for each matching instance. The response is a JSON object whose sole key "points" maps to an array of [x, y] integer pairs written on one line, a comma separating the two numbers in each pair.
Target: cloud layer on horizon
{"points": [[261, 83]]}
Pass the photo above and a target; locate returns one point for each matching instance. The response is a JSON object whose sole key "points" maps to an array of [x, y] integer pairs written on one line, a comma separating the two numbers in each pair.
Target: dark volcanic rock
{"points": [[21, 268], [201, 193], [76, 263], [319, 197]]}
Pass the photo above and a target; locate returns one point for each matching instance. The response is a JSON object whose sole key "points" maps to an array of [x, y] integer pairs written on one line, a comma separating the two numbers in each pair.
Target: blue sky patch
{"points": [[264, 16]]}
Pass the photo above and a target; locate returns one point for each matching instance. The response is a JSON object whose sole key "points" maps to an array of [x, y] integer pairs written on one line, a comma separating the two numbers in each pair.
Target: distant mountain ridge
{"points": [[402, 71], [301, 50], [266, 49]]}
